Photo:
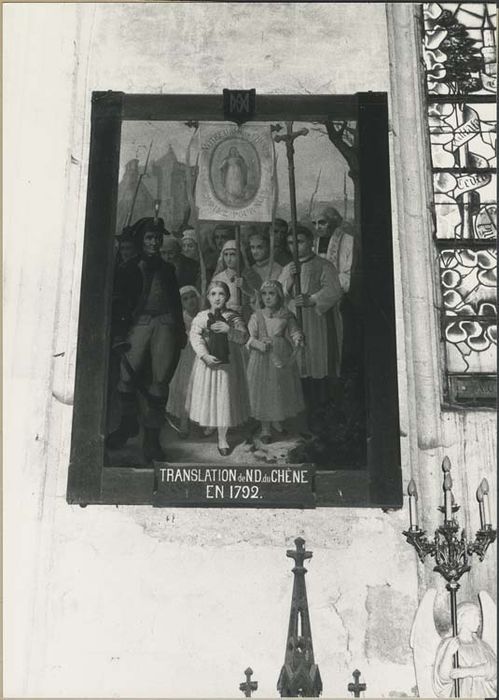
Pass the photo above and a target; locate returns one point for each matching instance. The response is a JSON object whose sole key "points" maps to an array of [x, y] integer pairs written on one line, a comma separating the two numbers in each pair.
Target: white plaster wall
{"points": [[131, 601]]}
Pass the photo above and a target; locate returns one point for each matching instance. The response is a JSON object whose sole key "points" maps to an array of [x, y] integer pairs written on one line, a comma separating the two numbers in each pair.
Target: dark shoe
{"points": [[266, 439], [128, 428], [224, 451], [151, 446]]}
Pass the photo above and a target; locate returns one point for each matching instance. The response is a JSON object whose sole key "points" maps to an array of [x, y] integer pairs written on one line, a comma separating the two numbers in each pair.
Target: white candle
{"points": [[447, 489], [486, 505], [479, 497], [448, 496], [413, 511]]}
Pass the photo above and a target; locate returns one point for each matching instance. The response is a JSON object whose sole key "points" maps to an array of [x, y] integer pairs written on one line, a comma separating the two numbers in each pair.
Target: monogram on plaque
{"points": [[239, 105]]}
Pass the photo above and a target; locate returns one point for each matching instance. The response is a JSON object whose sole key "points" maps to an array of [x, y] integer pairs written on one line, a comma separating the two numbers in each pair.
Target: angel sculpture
{"points": [[433, 654]]}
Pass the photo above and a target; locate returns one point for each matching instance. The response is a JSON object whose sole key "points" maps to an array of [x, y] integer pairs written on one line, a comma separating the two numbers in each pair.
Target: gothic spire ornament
{"points": [[300, 676]]}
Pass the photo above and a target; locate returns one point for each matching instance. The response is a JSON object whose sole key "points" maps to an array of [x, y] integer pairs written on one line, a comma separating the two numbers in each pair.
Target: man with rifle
{"points": [[148, 331]]}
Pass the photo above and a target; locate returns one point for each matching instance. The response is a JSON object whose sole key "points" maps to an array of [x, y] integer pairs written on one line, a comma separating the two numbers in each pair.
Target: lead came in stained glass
{"points": [[465, 205], [462, 136], [469, 279], [459, 50]]}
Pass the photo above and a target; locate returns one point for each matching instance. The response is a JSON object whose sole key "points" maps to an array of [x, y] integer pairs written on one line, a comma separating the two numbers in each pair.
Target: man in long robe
{"points": [[320, 292], [335, 242]]}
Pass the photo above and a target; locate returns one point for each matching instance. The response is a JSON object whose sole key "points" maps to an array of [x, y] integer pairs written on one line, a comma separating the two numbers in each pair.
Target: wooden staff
{"points": [[238, 261], [194, 209], [274, 127], [314, 193], [288, 139], [345, 197], [202, 264], [139, 181]]}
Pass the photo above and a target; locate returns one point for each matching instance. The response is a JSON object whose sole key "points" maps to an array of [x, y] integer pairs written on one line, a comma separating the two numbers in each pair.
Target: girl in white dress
{"points": [[217, 396], [273, 378], [191, 304]]}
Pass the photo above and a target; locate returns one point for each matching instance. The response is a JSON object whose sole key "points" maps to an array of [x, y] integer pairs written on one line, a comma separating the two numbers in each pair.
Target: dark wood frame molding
{"points": [[379, 484]]}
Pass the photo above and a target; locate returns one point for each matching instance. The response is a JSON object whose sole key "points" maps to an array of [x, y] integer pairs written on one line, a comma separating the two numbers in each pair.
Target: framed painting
{"points": [[236, 342]]}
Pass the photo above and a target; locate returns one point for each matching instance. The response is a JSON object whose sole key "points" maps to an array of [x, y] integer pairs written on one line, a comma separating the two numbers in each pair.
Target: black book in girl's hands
{"points": [[218, 343]]}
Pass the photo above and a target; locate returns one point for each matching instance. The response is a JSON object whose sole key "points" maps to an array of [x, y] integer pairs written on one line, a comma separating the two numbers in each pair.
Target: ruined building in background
{"points": [[166, 180]]}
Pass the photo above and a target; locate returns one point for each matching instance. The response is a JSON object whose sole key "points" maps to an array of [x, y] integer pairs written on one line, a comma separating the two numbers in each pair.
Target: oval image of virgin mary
{"points": [[235, 172]]}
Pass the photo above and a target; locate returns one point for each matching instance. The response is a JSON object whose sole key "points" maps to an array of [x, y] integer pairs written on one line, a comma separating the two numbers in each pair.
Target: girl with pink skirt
{"points": [[273, 378]]}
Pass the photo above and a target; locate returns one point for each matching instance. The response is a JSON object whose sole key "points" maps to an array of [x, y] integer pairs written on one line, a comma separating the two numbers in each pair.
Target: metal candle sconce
{"points": [[451, 551]]}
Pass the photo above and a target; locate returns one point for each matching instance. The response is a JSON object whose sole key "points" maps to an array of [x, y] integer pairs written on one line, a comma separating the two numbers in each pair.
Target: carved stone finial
{"points": [[300, 674], [248, 686], [356, 688]]}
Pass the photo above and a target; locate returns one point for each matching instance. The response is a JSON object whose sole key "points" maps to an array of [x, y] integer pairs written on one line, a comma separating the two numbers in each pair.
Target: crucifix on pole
{"points": [[289, 138]]}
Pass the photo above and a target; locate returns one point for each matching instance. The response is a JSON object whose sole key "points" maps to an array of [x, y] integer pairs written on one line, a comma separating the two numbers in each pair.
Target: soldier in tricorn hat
{"points": [[148, 331]]}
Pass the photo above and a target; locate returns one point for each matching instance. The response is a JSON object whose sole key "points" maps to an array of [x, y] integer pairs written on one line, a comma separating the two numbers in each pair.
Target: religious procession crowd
{"points": [[223, 333]]}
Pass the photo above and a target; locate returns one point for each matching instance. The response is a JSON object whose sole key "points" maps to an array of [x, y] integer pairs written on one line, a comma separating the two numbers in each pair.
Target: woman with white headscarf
{"points": [[191, 305], [226, 271]]}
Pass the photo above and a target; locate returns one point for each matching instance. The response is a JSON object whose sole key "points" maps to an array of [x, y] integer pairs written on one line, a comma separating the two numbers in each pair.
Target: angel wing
{"points": [[489, 620], [424, 641]]}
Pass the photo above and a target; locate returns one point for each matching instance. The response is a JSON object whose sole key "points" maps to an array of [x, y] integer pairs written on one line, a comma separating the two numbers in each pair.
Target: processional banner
{"points": [[236, 172]]}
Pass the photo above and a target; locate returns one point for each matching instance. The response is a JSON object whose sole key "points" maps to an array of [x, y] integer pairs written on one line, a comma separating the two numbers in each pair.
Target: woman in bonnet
{"points": [[191, 305]]}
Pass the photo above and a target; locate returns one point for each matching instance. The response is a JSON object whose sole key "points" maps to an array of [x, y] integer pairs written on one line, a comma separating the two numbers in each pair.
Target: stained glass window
{"points": [[459, 50]]}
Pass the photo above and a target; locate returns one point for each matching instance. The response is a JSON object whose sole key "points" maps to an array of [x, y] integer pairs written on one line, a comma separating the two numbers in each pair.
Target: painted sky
{"points": [[314, 153]]}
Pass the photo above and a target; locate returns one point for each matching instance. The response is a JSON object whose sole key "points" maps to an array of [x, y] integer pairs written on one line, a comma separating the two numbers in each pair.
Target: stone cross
{"points": [[248, 686], [299, 555], [356, 688]]}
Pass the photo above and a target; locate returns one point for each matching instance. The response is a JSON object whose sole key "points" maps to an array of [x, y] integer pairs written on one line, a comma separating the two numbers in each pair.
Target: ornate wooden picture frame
{"points": [[375, 480]]}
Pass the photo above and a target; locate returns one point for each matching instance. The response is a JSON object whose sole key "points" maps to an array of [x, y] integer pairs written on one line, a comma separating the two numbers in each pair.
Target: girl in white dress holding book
{"points": [[273, 378], [217, 396]]}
